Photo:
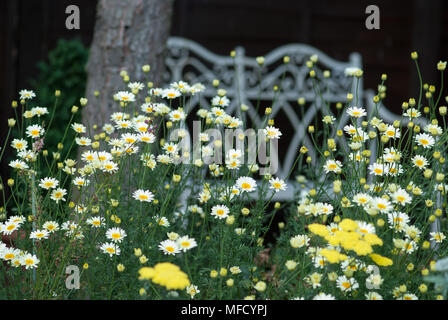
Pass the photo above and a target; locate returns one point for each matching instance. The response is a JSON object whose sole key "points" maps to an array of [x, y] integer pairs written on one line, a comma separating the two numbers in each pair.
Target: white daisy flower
{"points": [[48, 183], [220, 211], [35, 131], [110, 248], [169, 247], [356, 112], [116, 234], [143, 195], [424, 140], [246, 184]]}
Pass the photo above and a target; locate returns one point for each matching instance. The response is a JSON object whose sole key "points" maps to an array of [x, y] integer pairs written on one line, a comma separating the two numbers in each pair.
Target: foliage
{"points": [[143, 219]]}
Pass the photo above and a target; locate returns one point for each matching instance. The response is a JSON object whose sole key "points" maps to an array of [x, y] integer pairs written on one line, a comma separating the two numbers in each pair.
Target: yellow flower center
{"points": [[245, 185]]}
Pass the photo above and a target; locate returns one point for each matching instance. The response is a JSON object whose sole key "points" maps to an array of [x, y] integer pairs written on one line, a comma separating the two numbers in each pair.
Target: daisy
{"points": [[398, 220], [333, 166], [365, 228], [9, 227], [39, 234], [83, 141], [197, 87], [81, 182], [18, 164], [162, 221], [116, 234], [171, 93], [192, 290], [125, 96], [129, 138], [147, 107], [373, 296], [412, 232], [234, 123], [346, 284], [433, 129], [401, 196], [394, 169], [103, 156], [412, 113], [29, 261], [350, 129], [109, 166], [351, 72], [233, 163], [136, 86], [381, 204], [181, 86], [123, 124], [409, 246], [437, 237], [34, 131], [17, 219], [220, 211], [9, 253], [362, 199], [220, 101], [419, 162], [51, 226], [147, 137], [169, 247], [299, 241], [356, 112], [186, 243], [48, 183], [79, 128], [95, 222], [272, 132], [39, 111], [177, 115], [156, 91], [424, 140], [19, 144], [58, 195], [171, 148], [161, 109], [392, 132], [26, 94], [324, 296], [110, 248], [141, 127], [408, 296], [378, 169], [143, 195], [246, 184], [277, 184]]}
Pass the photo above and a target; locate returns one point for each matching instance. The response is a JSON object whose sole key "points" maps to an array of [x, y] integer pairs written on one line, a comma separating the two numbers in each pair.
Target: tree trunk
{"points": [[128, 34]]}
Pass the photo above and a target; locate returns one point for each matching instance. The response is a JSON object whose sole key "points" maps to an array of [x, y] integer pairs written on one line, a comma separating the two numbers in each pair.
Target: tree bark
{"points": [[128, 34]]}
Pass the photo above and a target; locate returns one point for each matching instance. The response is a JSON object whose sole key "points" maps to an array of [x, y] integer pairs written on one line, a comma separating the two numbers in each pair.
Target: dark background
{"points": [[31, 28]]}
